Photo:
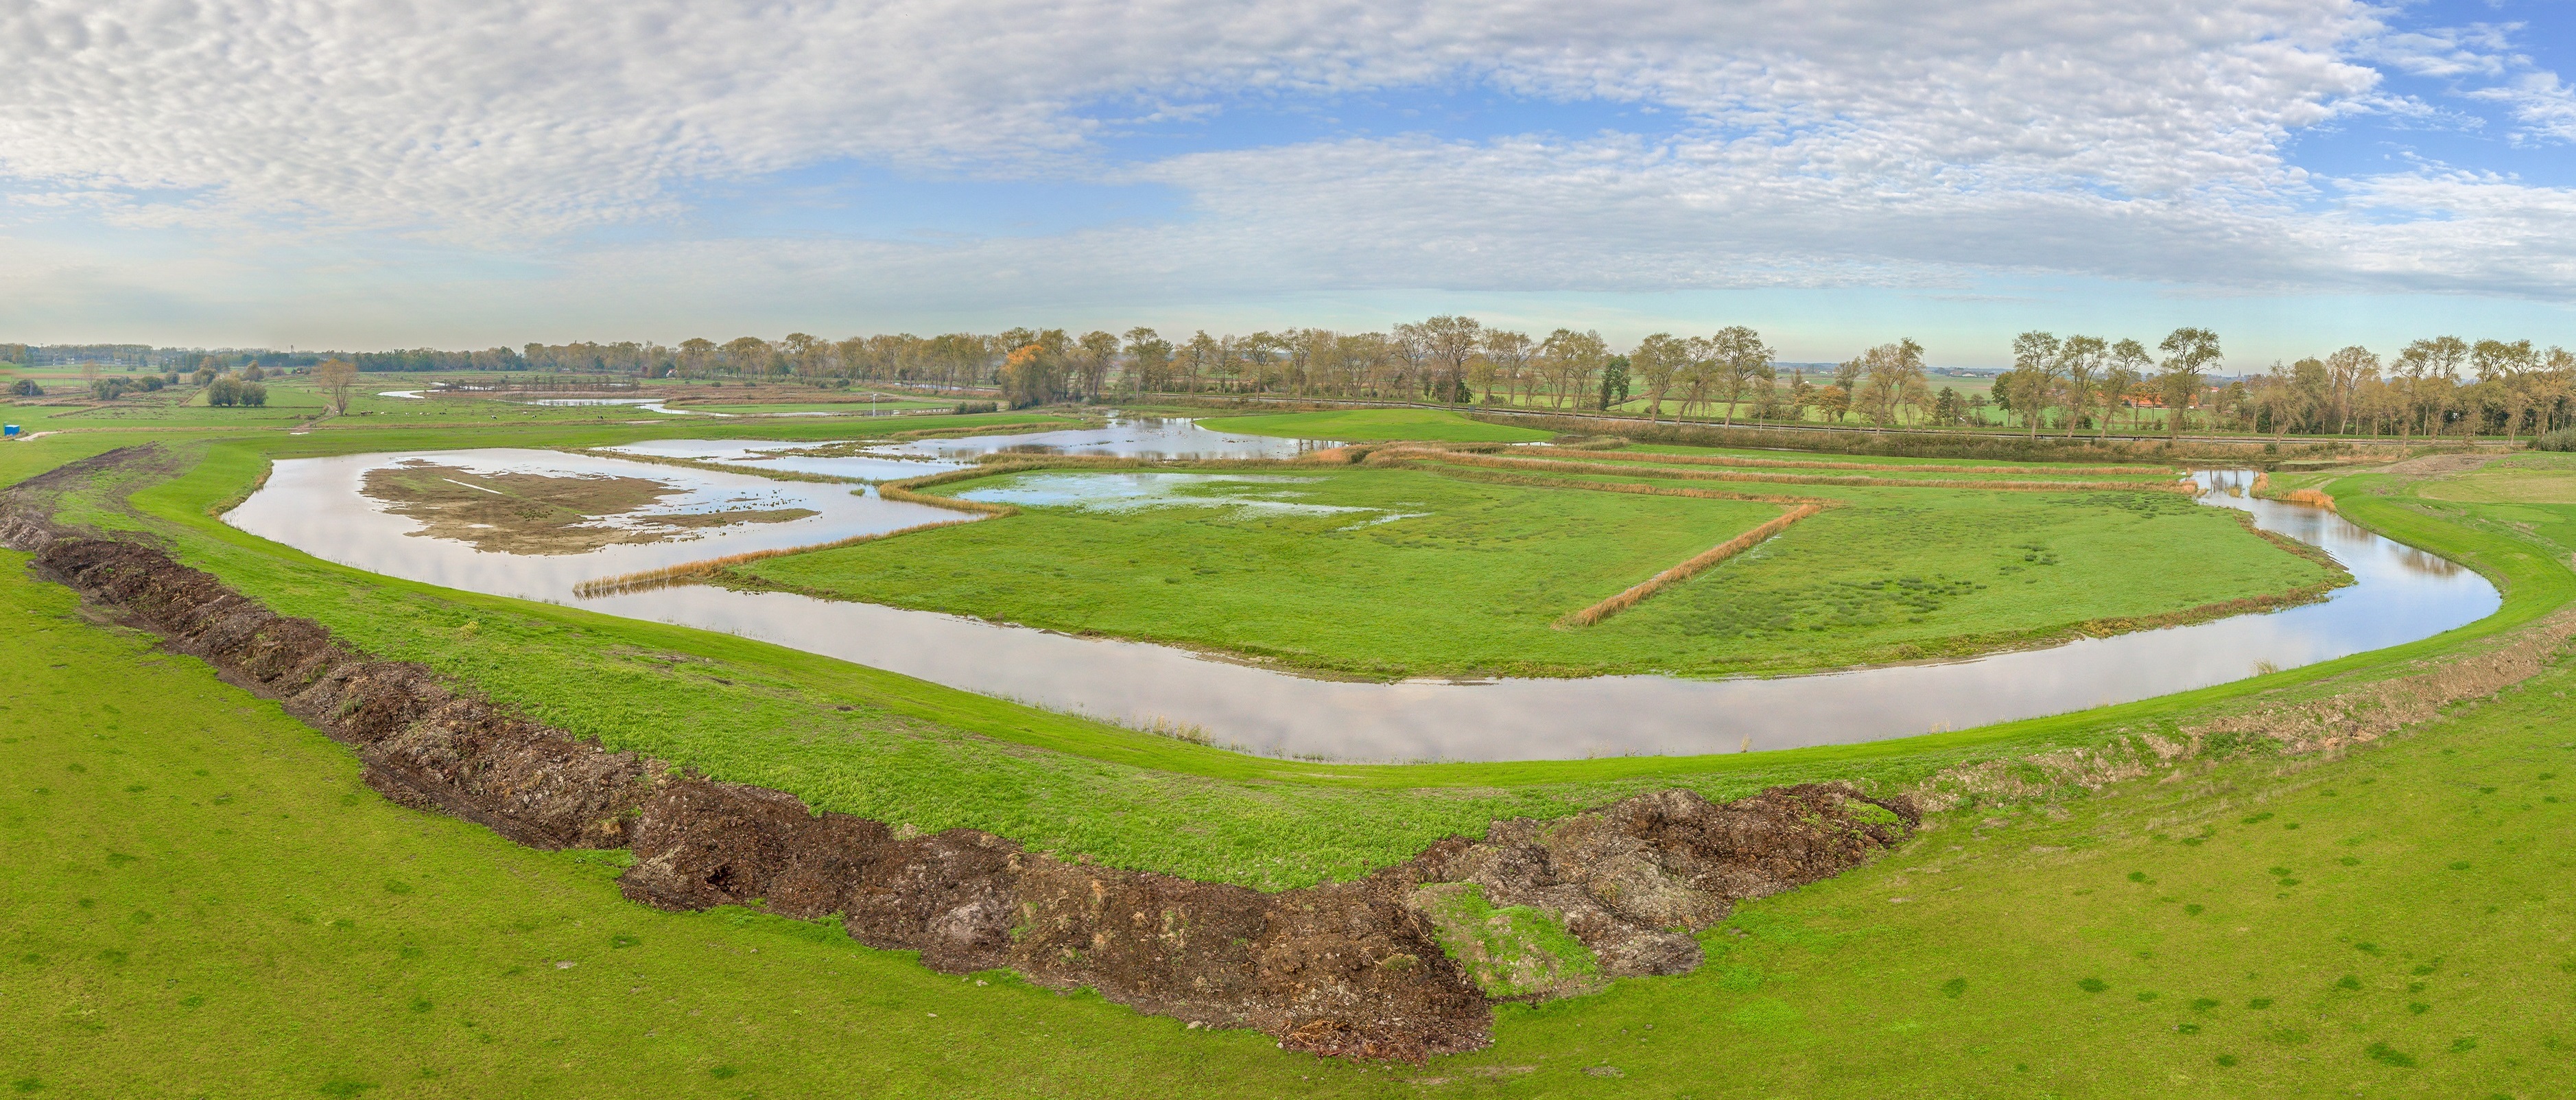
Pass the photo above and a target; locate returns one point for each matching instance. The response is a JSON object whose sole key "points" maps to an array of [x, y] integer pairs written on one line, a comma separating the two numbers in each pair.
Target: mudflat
{"points": [[544, 514]]}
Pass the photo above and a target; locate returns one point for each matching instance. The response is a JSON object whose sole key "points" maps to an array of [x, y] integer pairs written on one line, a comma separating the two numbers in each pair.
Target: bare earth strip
{"points": [[1688, 569]]}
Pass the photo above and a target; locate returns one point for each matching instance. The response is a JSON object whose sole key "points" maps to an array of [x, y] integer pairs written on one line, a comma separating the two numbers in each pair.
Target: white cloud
{"points": [[1824, 142]]}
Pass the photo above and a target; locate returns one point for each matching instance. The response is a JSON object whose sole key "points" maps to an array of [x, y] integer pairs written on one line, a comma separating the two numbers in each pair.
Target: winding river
{"points": [[2401, 594]]}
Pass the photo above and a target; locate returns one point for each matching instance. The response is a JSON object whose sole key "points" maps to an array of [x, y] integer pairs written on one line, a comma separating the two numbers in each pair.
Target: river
{"points": [[2401, 594]]}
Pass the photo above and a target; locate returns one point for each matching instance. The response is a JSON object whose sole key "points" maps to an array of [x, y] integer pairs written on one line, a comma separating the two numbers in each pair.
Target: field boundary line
{"points": [[1698, 563]]}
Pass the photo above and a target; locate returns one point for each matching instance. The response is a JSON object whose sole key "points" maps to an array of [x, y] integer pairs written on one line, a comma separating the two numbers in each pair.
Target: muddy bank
{"points": [[1402, 964], [516, 512]]}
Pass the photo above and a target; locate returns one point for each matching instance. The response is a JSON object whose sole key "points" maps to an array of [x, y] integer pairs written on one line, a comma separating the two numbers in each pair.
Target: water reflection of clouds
{"points": [[1129, 491], [316, 506], [1141, 437], [2401, 594]]}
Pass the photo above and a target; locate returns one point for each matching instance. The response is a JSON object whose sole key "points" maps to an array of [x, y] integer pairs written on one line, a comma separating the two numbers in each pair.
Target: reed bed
{"points": [[1820, 464], [904, 490], [1499, 461], [1698, 563], [2313, 498]]}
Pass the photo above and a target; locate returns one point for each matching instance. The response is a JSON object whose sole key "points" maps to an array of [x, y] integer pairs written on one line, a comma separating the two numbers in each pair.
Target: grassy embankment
{"points": [[1427, 574], [200, 899]]}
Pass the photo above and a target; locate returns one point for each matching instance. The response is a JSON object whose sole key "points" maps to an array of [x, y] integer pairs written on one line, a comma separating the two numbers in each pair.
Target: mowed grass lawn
{"points": [[198, 897], [1376, 425], [1441, 576]]}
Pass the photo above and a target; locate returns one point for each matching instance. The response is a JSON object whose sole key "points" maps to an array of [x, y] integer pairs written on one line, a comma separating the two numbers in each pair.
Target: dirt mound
{"points": [[1399, 965], [1358, 969], [423, 743]]}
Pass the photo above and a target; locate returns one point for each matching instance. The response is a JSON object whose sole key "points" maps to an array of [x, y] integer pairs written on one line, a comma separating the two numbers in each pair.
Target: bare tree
{"points": [[336, 376], [2346, 371], [1509, 352]]}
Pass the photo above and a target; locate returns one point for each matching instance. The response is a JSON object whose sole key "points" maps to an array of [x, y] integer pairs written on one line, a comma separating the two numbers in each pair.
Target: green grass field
{"points": [[201, 899], [1424, 574], [834, 407], [294, 954]]}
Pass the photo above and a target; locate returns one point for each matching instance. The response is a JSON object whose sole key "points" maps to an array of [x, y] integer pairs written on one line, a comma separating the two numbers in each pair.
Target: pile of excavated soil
{"points": [[540, 514], [1361, 969]]}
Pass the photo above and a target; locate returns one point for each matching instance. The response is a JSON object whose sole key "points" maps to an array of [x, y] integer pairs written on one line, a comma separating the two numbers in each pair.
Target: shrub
{"points": [[27, 387], [965, 407], [2564, 439], [227, 392]]}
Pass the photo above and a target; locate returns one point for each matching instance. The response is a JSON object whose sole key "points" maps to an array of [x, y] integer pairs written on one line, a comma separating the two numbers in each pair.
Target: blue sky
{"points": [[2298, 174]]}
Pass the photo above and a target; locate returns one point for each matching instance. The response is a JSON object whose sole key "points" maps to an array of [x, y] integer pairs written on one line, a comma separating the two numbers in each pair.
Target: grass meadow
{"points": [[199, 898], [1433, 575]]}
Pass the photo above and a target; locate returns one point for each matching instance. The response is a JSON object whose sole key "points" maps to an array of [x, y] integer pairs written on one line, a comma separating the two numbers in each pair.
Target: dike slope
{"points": [[1383, 967]]}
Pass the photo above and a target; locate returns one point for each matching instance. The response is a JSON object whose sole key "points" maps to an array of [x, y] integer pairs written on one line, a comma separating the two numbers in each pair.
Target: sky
{"points": [[2295, 174]]}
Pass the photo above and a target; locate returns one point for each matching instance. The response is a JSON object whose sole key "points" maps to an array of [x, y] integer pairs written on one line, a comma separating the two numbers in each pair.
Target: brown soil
{"points": [[1346, 969], [1354, 969], [541, 514]]}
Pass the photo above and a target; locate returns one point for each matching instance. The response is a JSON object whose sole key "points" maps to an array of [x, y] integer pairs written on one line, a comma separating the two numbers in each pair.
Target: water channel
{"points": [[2401, 594]]}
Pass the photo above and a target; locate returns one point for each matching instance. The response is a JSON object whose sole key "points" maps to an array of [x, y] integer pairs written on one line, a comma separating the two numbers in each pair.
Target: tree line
{"points": [[2062, 385]]}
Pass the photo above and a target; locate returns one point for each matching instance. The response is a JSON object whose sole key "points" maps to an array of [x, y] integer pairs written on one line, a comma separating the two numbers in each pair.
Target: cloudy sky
{"points": [[2297, 174]]}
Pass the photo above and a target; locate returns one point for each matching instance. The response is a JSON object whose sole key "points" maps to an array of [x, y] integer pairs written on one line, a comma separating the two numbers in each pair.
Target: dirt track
{"points": [[1354, 969]]}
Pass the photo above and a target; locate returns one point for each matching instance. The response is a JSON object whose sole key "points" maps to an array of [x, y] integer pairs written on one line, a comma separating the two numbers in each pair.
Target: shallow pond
{"points": [[1132, 437], [318, 505], [2401, 594]]}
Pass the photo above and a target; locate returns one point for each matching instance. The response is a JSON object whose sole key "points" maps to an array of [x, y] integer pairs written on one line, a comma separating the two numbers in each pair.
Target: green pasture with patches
{"points": [[1421, 573]]}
